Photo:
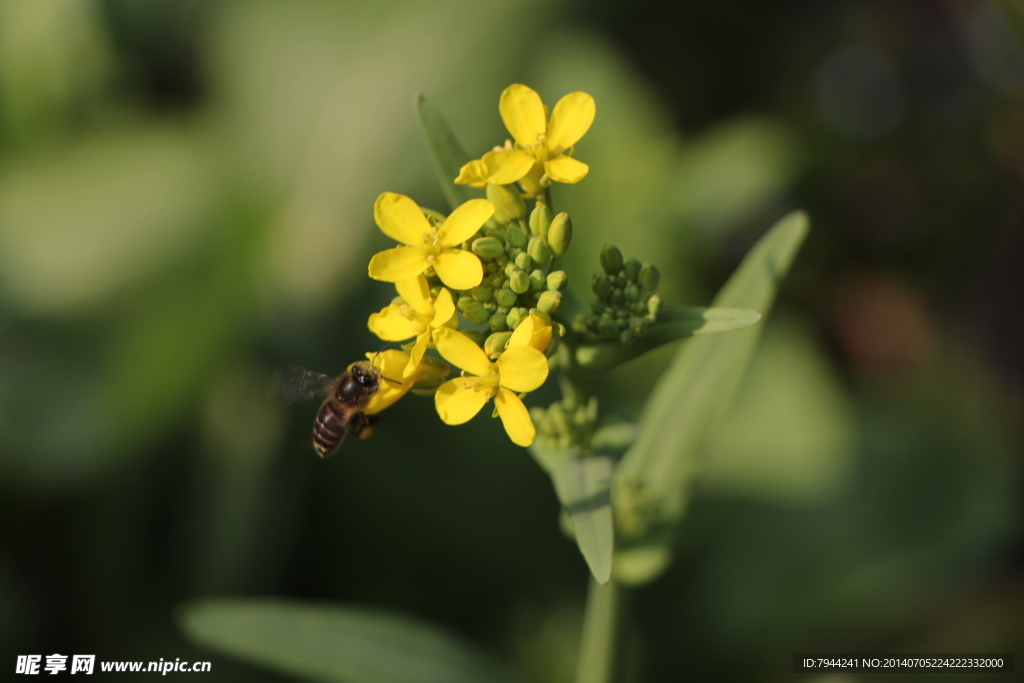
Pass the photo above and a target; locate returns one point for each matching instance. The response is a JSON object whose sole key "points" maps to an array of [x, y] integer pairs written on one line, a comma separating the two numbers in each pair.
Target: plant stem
{"points": [[599, 643]]}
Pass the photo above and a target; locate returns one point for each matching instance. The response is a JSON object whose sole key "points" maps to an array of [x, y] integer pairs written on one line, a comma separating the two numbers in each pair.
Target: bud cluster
{"points": [[566, 423], [521, 258], [626, 305]]}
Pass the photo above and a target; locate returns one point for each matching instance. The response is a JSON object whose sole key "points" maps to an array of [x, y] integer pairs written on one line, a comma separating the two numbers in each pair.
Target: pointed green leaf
{"points": [[583, 485], [695, 389], [445, 151], [336, 644], [674, 322]]}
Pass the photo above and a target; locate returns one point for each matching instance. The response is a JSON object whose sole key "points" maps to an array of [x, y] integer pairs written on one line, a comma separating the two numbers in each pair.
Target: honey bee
{"points": [[343, 411]]}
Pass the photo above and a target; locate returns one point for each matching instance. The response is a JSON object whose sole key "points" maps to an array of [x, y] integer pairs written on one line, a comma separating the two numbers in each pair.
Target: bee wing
{"points": [[295, 385]]}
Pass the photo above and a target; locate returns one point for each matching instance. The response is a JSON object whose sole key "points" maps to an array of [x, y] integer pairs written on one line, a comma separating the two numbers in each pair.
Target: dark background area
{"points": [[185, 205]]}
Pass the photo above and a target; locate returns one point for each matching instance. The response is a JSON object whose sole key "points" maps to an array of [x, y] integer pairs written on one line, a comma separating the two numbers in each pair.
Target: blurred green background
{"points": [[186, 193]]}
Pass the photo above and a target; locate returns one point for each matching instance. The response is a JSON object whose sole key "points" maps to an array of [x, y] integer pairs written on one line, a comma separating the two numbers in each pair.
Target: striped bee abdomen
{"points": [[329, 429]]}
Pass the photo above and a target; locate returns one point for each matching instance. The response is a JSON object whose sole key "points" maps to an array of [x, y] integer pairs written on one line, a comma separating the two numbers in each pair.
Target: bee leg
{"points": [[363, 425]]}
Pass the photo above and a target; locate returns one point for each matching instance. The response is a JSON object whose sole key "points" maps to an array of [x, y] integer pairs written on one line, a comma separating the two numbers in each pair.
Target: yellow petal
{"points": [[515, 417], [390, 325], [457, 404], [472, 174], [570, 120], [462, 352], [400, 263], [416, 293], [532, 332], [565, 169], [464, 222], [459, 269], [523, 333], [444, 308], [521, 368], [416, 354], [523, 113], [400, 219], [506, 166], [390, 362]]}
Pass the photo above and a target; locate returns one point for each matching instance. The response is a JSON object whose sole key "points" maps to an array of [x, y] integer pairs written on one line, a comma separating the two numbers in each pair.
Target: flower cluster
{"points": [[626, 305], [481, 285]]}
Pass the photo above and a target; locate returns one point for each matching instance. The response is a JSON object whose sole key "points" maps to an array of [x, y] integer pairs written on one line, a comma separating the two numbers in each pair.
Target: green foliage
{"points": [[445, 151], [583, 486], [674, 323], [337, 644], [652, 481]]}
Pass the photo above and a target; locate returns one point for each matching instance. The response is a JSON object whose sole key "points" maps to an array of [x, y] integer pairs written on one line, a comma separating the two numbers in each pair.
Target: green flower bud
{"points": [[502, 260], [556, 280], [511, 268], [514, 318], [537, 280], [598, 306], [579, 323], [508, 205], [545, 318], [633, 292], [515, 236], [519, 282], [654, 305], [631, 269], [625, 337], [495, 232], [491, 306], [397, 301], [497, 322], [640, 307], [602, 286], [463, 302], [476, 313], [514, 252], [549, 301], [639, 326], [618, 281], [560, 234], [607, 328], [538, 250], [435, 217], [505, 297], [487, 247], [524, 262], [540, 220], [616, 297], [495, 344], [649, 277], [482, 293], [611, 259]]}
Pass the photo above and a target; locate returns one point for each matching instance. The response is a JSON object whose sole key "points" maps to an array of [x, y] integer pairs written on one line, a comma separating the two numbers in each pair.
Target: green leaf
{"points": [[583, 485], [336, 644], [692, 394], [674, 322], [445, 151]]}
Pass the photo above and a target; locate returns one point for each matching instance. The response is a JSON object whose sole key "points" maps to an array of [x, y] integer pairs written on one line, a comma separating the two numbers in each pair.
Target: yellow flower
{"points": [[401, 219], [520, 368], [542, 145], [418, 317], [535, 332], [391, 364]]}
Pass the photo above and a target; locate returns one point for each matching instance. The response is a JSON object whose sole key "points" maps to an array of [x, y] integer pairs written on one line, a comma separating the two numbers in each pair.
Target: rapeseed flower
{"points": [[520, 368], [392, 364], [426, 245], [543, 145], [419, 316]]}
